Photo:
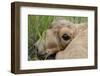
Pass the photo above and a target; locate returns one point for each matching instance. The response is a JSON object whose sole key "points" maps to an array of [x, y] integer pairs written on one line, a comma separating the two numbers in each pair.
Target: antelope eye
{"points": [[66, 37]]}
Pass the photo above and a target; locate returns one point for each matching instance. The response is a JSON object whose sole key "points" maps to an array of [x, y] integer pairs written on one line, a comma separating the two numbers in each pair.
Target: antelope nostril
{"points": [[35, 49], [34, 46], [66, 37]]}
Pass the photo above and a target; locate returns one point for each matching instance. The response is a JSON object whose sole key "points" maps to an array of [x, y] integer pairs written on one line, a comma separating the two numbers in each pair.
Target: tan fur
{"points": [[49, 44], [76, 49], [53, 42], [70, 32]]}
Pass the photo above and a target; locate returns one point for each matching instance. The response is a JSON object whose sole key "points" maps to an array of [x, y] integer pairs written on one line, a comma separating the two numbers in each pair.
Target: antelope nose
{"points": [[35, 48]]}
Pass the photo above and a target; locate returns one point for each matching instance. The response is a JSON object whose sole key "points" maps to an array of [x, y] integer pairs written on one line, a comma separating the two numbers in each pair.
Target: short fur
{"points": [[53, 43]]}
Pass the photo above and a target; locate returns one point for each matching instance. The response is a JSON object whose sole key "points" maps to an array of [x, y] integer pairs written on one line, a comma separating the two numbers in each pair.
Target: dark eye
{"points": [[66, 37]]}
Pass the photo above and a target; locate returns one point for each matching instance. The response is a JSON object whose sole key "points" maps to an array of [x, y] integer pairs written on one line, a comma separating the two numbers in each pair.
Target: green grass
{"points": [[38, 24]]}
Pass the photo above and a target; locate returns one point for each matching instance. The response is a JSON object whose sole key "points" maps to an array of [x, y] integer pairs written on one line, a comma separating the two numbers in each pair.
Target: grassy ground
{"points": [[38, 24]]}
